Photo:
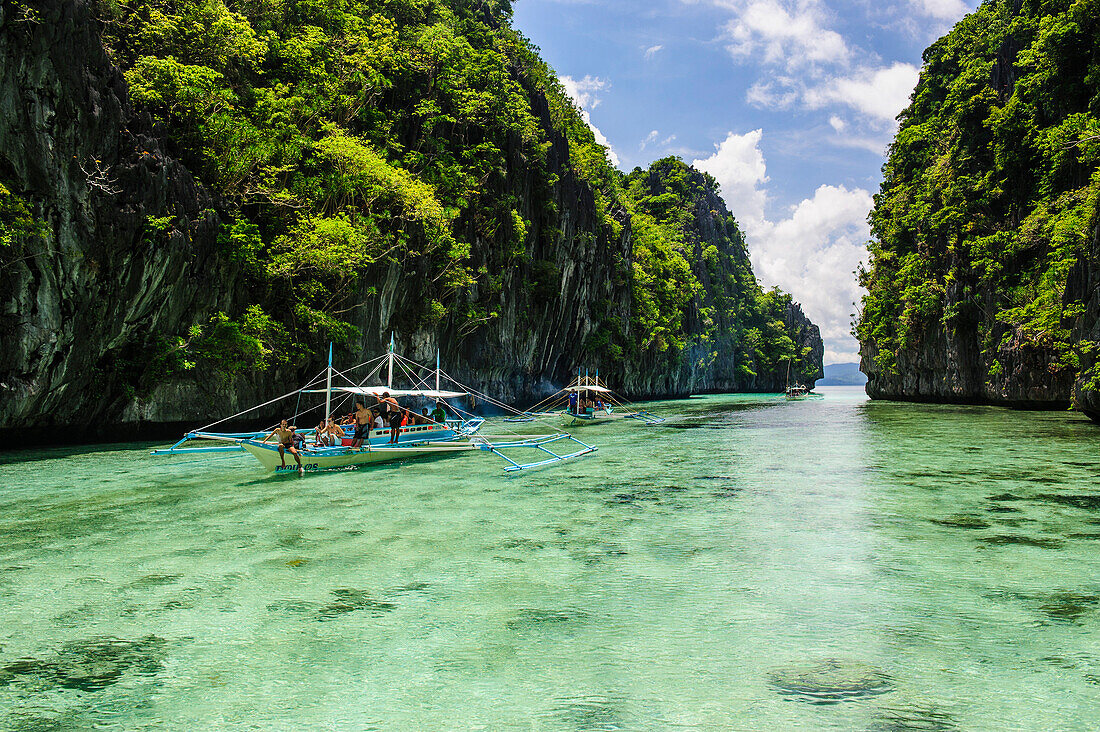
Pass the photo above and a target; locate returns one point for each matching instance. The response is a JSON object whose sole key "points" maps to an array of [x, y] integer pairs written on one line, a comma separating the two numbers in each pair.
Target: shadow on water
{"points": [[89, 665], [526, 619], [350, 601], [830, 681], [913, 717], [1063, 606], [589, 714]]}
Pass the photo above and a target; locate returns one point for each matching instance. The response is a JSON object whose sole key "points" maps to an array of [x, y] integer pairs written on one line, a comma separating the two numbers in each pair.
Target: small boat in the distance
{"points": [[586, 401], [797, 391]]}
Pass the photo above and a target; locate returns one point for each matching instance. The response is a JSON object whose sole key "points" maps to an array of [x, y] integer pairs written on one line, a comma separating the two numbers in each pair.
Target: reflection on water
{"points": [[753, 564]]}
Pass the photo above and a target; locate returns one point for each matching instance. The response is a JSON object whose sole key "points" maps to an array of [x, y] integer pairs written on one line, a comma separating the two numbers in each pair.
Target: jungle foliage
{"points": [[345, 136], [693, 282], [992, 186]]}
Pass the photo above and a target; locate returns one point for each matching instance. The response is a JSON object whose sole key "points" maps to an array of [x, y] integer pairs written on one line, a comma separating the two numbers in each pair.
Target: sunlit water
{"points": [[751, 565]]}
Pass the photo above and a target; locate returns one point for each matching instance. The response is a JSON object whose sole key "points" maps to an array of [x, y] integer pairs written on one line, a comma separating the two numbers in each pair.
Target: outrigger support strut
{"points": [[537, 443]]}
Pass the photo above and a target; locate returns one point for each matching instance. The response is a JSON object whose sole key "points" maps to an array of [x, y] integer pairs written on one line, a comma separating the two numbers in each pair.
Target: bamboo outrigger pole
{"points": [[389, 365], [328, 386]]}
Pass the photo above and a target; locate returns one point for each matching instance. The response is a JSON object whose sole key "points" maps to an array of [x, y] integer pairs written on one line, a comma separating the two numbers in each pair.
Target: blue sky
{"points": [[788, 103]]}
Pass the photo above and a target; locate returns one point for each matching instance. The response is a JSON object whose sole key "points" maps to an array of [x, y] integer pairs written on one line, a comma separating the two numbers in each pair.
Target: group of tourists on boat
{"points": [[577, 405], [330, 434]]}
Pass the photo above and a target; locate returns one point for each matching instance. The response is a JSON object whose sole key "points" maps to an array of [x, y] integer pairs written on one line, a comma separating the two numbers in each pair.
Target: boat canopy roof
{"points": [[593, 387], [377, 391]]}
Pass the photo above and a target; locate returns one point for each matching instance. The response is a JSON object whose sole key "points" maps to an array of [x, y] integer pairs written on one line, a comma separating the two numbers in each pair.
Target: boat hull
{"points": [[342, 458], [580, 420]]}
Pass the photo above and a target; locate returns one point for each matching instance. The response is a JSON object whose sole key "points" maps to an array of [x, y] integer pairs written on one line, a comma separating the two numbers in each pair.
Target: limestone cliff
{"points": [[132, 249], [983, 280]]}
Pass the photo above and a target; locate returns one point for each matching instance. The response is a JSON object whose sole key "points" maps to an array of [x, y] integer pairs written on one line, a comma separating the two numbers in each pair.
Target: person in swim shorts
{"points": [[362, 425], [287, 443]]}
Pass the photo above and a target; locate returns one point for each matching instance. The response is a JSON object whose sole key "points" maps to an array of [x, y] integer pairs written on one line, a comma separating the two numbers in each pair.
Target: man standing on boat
{"points": [[362, 424], [286, 436], [573, 402], [394, 416]]}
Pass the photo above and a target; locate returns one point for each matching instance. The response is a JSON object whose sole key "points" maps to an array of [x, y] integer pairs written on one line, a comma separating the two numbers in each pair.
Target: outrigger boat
{"points": [[796, 392], [456, 434], [595, 403]]}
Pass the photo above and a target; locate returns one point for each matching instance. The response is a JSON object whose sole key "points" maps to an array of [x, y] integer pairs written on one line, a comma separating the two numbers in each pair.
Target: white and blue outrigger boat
{"points": [[459, 432], [594, 403]]}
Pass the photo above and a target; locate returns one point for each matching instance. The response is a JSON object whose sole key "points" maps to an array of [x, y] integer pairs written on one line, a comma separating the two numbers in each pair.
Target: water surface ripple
{"points": [[751, 565]]}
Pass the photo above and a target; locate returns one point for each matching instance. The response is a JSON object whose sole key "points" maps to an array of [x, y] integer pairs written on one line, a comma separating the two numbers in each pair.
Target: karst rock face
{"points": [[79, 302], [72, 300], [1084, 285], [983, 283]]}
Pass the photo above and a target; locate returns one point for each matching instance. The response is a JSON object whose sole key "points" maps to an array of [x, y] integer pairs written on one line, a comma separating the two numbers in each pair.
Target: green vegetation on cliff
{"points": [[693, 282], [991, 191], [346, 138]]}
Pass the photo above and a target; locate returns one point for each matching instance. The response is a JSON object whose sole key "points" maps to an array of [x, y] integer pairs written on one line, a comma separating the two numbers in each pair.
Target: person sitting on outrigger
{"points": [[362, 425], [286, 436]]}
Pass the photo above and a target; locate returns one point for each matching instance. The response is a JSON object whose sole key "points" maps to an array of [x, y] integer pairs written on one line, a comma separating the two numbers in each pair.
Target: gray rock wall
{"points": [[77, 307]]}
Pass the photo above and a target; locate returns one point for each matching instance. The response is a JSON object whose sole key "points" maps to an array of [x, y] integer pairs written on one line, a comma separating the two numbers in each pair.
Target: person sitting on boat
{"points": [[424, 417], [362, 425], [331, 434], [599, 405], [439, 416], [379, 422], [321, 435], [287, 443]]}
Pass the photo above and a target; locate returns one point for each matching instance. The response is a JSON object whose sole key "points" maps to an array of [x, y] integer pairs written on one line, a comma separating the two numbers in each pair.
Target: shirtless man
{"points": [[394, 415], [328, 433], [362, 425], [285, 434]]}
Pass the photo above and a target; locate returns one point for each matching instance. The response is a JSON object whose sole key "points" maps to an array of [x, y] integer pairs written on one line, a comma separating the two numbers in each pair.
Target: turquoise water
{"points": [[752, 565]]}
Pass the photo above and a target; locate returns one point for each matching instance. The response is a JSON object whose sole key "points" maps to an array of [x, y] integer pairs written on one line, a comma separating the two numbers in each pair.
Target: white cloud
{"points": [[651, 137], [943, 9], [584, 94], [791, 34], [601, 139], [812, 252], [652, 51], [583, 91], [880, 93], [738, 166], [837, 123]]}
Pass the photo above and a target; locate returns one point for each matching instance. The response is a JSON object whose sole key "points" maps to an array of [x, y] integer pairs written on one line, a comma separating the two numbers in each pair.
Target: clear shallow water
{"points": [[752, 565]]}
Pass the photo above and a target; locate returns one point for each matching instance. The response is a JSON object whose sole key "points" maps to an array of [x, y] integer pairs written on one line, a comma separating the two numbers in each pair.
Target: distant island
{"points": [[843, 374]]}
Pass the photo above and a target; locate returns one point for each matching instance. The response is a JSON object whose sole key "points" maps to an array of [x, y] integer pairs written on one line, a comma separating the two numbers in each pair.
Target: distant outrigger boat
{"points": [[607, 406], [454, 435], [796, 392]]}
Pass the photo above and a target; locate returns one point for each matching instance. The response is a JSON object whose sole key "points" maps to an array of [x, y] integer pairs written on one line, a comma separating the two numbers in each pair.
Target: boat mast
{"points": [[389, 365], [328, 386], [437, 369]]}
